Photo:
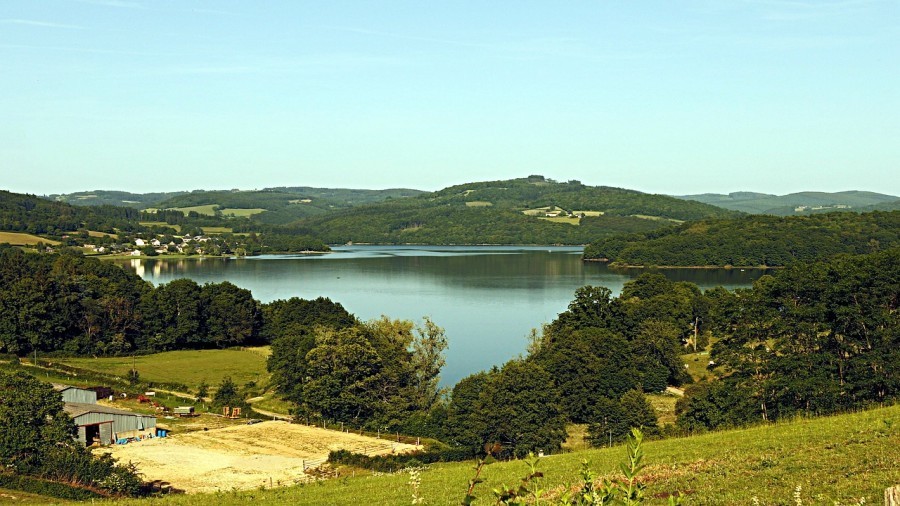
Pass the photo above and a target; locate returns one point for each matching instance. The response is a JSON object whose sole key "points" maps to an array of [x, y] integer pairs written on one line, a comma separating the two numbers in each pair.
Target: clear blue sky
{"points": [[661, 96]]}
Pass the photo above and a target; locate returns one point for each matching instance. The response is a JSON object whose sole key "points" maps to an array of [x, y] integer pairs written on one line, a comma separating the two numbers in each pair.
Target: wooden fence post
{"points": [[892, 496]]}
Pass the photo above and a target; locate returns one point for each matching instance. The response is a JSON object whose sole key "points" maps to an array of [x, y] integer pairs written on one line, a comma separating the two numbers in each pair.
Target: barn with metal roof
{"points": [[105, 425]]}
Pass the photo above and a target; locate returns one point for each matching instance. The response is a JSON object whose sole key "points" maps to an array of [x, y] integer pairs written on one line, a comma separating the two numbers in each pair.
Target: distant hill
{"points": [[797, 203], [36, 215], [532, 210], [113, 198], [756, 240], [285, 204]]}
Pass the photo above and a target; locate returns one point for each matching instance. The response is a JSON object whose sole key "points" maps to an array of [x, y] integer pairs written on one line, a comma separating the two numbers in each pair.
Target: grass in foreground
{"points": [[838, 458], [188, 367]]}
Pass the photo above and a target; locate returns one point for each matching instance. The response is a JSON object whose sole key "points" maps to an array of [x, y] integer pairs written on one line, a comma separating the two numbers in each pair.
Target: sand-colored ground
{"points": [[244, 456]]}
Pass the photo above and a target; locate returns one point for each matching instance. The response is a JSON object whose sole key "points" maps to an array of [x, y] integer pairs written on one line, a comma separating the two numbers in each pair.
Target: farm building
{"points": [[75, 394], [107, 425]]}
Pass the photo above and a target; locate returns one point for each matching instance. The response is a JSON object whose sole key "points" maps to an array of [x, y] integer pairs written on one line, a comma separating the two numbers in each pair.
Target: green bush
{"points": [[42, 487]]}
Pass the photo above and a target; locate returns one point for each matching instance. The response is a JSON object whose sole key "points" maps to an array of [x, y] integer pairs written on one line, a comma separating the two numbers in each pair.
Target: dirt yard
{"points": [[243, 456]]}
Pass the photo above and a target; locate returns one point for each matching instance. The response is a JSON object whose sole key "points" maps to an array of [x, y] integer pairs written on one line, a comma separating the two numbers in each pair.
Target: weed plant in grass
{"points": [[838, 458]]}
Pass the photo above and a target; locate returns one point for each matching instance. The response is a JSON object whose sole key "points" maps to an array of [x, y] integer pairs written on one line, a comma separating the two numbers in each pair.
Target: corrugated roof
{"points": [[77, 409]]}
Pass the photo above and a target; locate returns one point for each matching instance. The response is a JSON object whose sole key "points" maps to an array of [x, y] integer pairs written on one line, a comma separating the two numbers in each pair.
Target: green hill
{"points": [[828, 460], [795, 203], [531, 210], [36, 215], [285, 204], [756, 240], [113, 198]]}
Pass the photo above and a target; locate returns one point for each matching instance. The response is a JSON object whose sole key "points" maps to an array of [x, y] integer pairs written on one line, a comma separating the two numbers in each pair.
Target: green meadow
{"points": [[188, 367]]}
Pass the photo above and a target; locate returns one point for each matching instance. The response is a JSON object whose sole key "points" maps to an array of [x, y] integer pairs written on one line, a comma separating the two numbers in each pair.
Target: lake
{"points": [[487, 298]]}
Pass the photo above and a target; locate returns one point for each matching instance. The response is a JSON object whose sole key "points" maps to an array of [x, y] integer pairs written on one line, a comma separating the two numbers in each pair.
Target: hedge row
{"points": [[34, 485], [391, 463]]}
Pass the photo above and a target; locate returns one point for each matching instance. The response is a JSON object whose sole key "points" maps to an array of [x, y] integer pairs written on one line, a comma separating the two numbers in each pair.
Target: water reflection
{"points": [[487, 298]]}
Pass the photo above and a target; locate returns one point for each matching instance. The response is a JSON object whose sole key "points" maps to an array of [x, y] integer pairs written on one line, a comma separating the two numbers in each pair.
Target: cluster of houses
{"points": [[192, 244], [800, 209], [98, 424], [185, 245]]}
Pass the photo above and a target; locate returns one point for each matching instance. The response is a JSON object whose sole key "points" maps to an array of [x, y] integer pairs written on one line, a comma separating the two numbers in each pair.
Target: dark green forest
{"points": [[67, 303], [816, 338], [752, 240]]}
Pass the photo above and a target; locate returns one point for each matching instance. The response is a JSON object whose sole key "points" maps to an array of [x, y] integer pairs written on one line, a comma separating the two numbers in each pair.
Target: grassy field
{"points": [[656, 218], [160, 224], [216, 230], [664, 405], [570, 220], [187, 367], [209, 209], [21, 239], [242, 213], [841, 458], [479, 203]]}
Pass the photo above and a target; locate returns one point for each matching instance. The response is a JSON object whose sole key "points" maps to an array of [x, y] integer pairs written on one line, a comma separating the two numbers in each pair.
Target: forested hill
{"points": [[532, 210], [757, 240], [114, 198], [799, 203], [35, 215], [269, 206]]}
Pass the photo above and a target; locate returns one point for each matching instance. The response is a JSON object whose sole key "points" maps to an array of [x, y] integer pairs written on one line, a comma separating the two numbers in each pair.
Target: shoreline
{"points": [[617, 265]]}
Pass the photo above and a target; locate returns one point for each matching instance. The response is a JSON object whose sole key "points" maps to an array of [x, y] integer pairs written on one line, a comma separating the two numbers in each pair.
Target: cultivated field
{"points": [[243, 457], [21, 239], [188, 367]]}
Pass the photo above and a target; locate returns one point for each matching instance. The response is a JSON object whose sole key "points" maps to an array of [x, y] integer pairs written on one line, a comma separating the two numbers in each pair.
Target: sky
{"points": [[661, 96]]}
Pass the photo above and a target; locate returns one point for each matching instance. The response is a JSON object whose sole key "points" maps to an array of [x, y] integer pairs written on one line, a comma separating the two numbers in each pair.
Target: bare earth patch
{"points": [[244, 456]]}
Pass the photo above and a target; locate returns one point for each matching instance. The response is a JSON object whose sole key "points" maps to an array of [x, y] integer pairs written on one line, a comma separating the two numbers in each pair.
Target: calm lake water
{"points": [[487, 298]]}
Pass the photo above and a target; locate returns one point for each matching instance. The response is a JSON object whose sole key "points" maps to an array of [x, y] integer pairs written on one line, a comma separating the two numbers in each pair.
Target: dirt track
{"points": [[243, 456]]}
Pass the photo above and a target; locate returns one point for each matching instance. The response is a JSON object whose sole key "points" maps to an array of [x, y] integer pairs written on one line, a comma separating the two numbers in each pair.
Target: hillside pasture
{"points": [[657, 218], [216, 230], [242, 213], [208, 209], [160, 224], [188, 367], [479, 203], [23, 239], [569, 220], [832, 459]]}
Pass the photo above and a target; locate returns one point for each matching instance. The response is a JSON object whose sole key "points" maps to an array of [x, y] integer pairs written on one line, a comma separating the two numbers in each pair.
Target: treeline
{"points": [[753, 240], [816, 338], [71, 304]]}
